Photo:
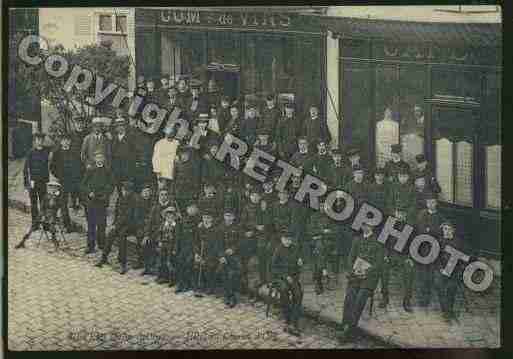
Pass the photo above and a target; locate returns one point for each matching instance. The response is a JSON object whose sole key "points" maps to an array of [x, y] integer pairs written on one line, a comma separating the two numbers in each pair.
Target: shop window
{"points": [[456, 85], [493, 177], [112, 29], [105, 23], [453, 133], [223, 48]]}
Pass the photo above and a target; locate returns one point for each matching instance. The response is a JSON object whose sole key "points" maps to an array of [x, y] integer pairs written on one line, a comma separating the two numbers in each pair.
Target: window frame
{"points": [[113, 18]]}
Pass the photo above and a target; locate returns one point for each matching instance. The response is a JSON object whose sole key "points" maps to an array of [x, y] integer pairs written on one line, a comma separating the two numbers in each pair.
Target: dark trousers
{"points": [[66, 193], [231, 281], [119, 234], [407, 276], [447, 289], [264, 258], [208, 276], [142, 174], [37, 198], [248, 249], [425, 285], [185, 271], [354, 303], [291, 298], [96, 224], [139, 248], [149, 256], [163, 266]]}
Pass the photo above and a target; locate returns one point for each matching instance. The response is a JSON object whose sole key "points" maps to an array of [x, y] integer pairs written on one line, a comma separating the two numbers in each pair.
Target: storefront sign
{"points": [[236, 19]]}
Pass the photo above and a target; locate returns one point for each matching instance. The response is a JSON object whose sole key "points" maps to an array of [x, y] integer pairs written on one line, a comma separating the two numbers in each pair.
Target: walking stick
{"points": [[196, 292]]}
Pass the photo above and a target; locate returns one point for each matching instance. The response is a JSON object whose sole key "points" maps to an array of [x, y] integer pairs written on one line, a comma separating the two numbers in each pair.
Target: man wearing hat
{"points": [[379, 191], [125, 223], [51, 205], [36, 175], [354, 157], [287, 132], [420, 192], [365, 264], [270, 115], [188, 227], [447, 286], [429, 221], [223, 113], [321, 162], [123, 153], [213, 96], [357, 186], [286, 265], [281, 213], [187, 182], [167, 246], [96, 142], [65, 166], [210, 201], [211, 169], [152, 96], [249, 125], [262, 141], [184, 96], [96, 187], [201, 138], [164, 154], [392, 166], [234, 123], [230, 267], [152, 228], [207, 250], [425, 169], [338, 172], [303, 158], [402, 206], [314, 128], [143, 204]]}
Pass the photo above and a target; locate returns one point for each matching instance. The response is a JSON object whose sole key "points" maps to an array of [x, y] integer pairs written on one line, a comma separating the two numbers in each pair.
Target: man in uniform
{"points": [[315, 129], [392, 167], [230, 193], [286, 266], [143, 153], [210, 201], [354, 157], [197, 103], [122, 154], [252, 222], [168, 245], [270, 116], [262, 141], [424, 169], [143, 204], [152, 227], [378, 191], [65, 166], [223, 113], [207, 251], [420, 192], [125, 222], [185, 255], [234, 122], [322, 240], [287, 132], [187, 177], [183, 97], [230, 266], [338, 172], [303, 158], [429, 221], [213, 96], [402, 206], [321, 162], [211, 169], [248, 129], [96, 142], [97, 186], [365, 263]]}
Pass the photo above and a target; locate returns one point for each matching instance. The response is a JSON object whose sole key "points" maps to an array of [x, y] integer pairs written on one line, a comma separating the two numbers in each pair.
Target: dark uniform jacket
{"points": [[303, 160], [125, 214], [187, 176], [223, 117], [316, 130], [230, 238], [285, 263], [392, 169], [212, 245], [286, 134], [379, 196], [231, 201], [281, 215], [154, 220], [187, 237], [431, 181], [429, 223], [233, 126], [123, 154], [36, 167], [100, 182], [211, 170], [66, 167], [322, 166], [142, 211], [269, 120], [359, 192], [402, 198], [183, 100], [338, 176], [372, 251], [168, 236], [248, 130], [212, 204], [252, 216], [420, 199]]}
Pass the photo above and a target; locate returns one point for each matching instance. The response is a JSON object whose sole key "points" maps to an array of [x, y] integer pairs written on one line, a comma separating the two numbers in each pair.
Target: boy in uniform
{"points": [[230, 266], [206, 253], [143, 204], [185, 254]]}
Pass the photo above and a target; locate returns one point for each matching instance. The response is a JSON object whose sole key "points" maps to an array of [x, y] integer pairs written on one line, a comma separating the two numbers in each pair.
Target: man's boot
{"points": [[384, 301], [102, 261], [124, 269], [407, 305]]}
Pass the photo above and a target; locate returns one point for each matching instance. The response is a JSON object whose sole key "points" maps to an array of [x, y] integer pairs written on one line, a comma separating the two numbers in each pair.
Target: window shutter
{"points": [[82, 25]]}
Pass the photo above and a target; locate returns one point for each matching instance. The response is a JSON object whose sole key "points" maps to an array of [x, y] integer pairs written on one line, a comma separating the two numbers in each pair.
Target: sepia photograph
{"points": [[253, 177]]}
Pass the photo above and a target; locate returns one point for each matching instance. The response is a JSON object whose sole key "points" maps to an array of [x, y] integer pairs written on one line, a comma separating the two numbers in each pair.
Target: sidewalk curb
{"points": [[323, 318]]}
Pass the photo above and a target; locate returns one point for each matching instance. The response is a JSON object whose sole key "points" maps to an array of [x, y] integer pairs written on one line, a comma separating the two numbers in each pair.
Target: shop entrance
{"points": [[227, 81]]}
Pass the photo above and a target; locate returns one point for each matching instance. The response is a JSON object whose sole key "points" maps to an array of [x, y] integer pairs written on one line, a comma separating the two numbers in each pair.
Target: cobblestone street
{"points": [[60, 301]]}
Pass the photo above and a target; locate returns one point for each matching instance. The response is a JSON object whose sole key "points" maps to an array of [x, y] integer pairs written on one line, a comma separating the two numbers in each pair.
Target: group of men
{"points": [[198, 222]]}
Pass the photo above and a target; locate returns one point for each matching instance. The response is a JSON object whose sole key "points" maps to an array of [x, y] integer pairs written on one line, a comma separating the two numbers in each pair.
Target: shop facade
{"points": [[434, 89], [250, 54]]}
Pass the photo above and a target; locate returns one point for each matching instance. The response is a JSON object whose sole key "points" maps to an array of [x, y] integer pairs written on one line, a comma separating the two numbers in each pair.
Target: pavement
{"points": [[477, 326]]}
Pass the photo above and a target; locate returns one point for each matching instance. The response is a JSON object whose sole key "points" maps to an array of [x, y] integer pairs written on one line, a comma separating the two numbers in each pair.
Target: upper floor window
{"points": [[112, 23]]}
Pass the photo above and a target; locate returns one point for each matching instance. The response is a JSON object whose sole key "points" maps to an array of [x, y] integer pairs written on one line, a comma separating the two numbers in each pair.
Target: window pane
{"points": [[105, 22], [448, 83], [493, 177], [411, 111], [464, 173], [121, 24], [444, 162]]}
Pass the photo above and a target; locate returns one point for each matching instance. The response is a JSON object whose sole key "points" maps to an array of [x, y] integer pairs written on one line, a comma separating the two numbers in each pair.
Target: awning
{"points": [[475, 34]]}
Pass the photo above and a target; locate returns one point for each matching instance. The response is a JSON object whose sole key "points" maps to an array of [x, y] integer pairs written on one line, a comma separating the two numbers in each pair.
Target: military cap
{"points": [[65, 136], [229, 211], [184, 77], [396, 148], [97, 120], [168, 209], [302, 138], [357, 168], [119, 121], [54, 184], [195, 84], [285, 232], [269, 97], [336, 151], [420, 158], [79, 118], [128, 185], [184, 149], [448, 223], [404, 169], [225, 98], [146, 185], [262, 131], [419, 175], [203, 117], [353, 151]]}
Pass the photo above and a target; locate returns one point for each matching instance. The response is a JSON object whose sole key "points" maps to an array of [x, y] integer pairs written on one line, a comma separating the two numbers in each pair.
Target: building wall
{"points": [[332, 97]]}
